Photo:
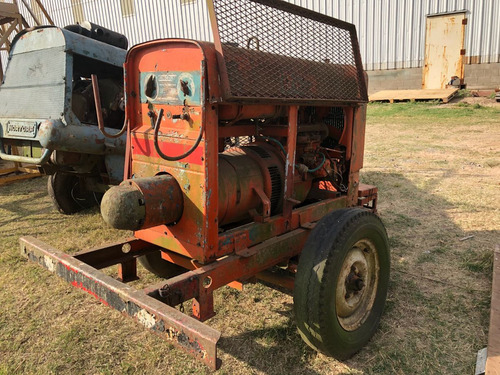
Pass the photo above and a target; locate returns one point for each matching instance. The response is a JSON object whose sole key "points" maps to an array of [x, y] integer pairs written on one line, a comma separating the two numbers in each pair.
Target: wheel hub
{"points": [[357, 285]]}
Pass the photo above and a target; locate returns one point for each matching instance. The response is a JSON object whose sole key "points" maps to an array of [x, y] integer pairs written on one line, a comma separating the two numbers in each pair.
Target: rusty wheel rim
{"points": [[357, 285]]}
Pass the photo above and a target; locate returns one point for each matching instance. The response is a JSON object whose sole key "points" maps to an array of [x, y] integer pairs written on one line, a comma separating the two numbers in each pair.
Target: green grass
{"points": [[412, 111], [463, 93], [478, 261]]}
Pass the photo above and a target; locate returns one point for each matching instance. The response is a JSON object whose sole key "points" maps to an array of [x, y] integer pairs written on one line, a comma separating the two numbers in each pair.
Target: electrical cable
{"points": [[275, 141], [173, 158], [98, 109], [319, 166]]}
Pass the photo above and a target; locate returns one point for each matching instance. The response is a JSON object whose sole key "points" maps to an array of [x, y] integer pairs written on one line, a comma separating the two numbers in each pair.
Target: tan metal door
{"points": [[444, 53]]}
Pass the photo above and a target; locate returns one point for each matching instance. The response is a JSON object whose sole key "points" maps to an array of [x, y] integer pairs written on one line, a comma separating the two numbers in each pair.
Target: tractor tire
{"points": [[155, 264], [341, 282], [68, 195]]}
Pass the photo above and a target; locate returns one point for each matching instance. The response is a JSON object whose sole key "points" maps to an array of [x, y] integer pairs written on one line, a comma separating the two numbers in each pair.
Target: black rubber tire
{"points": [[319, 268], [68, 195], [154, 263]]}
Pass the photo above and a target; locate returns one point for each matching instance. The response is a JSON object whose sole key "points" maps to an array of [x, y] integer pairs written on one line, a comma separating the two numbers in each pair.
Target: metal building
{"points": [[392, 33]]}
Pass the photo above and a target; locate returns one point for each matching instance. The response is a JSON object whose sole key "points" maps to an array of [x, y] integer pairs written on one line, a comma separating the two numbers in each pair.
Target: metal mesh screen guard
{"points": [[271, 50]]}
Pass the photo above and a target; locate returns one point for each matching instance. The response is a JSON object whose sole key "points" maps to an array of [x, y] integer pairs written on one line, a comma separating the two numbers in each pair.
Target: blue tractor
{"points": [[48, 111]]}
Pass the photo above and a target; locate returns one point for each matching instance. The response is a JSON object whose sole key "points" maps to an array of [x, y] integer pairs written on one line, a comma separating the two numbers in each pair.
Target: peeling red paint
{"points": [[79, 285], [69, 268]]}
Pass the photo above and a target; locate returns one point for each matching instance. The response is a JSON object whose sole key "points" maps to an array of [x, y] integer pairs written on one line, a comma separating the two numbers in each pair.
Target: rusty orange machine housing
{"points": [[201, 165], [242, 164]]}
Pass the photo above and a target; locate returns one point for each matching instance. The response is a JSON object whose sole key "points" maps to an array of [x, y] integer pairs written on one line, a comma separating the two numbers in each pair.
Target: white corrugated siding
{"points": [[391, 32]]}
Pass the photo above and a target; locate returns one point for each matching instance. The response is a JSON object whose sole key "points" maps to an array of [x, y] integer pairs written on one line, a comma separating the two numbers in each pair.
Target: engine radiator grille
{"points": [[274, 50]]}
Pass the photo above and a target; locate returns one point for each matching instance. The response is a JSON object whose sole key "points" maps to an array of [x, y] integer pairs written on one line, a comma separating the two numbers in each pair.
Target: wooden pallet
{"points": [[444, 95], [17, 173]]}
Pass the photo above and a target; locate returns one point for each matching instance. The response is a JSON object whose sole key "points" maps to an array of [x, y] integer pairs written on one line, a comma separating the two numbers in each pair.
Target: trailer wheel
{"points": [[341, 282], [68, 194], [154, 263]]}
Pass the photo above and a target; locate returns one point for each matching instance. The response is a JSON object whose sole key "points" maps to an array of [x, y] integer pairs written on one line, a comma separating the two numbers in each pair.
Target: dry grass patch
{"points": [[437, 169]]}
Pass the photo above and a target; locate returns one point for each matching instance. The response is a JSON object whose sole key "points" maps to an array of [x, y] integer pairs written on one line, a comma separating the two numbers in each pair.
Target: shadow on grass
{"points": [[275, 349], [29, 200]]}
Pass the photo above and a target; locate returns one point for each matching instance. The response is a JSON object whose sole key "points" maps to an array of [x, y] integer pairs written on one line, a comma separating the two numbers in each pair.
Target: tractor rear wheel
{"points": [[155, 264], [68, 193], [341, 282]]}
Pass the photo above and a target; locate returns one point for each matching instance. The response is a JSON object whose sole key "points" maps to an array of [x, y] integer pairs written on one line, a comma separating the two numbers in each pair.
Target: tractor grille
{"points": [[277, 51]]}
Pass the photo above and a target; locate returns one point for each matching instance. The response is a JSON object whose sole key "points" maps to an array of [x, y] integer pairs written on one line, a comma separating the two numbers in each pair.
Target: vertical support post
{"points": [[211, 146], [462, 54], [127, 271], [203, 305], [290, 163], [357, 152]]}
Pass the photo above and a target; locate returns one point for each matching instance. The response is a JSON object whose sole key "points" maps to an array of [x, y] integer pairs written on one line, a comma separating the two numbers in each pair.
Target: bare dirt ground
{"points": [[472, 101], [438, 173]]}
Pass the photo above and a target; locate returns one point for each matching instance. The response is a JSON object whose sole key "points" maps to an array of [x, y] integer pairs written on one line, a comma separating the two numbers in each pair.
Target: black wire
{"points": [[173, 158]]}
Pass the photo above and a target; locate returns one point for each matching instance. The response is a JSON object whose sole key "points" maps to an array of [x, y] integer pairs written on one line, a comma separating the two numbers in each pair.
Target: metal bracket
{"points": [[266, 206]]}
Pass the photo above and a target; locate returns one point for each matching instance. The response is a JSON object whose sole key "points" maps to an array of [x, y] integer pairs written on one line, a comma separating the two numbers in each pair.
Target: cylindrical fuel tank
{"points": [[99, 33], [243, 172]]}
